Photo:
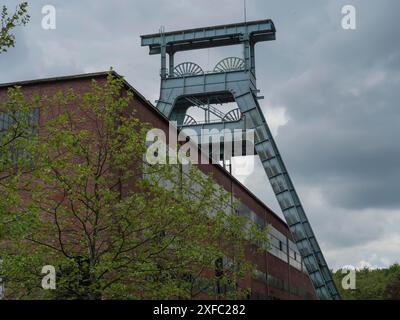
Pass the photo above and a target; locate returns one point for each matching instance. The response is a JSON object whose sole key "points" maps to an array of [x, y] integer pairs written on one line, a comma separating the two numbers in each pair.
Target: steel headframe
{"points": [[235, 81]]}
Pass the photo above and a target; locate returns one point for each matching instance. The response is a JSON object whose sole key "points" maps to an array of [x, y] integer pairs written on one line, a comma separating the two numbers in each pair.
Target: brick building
{"points": [[280, 272]]}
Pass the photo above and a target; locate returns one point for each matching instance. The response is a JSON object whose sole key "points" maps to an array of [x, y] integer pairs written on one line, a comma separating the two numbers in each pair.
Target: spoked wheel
{"points": [[189, 120], [229, 64], [187, 69], [233, 115]]}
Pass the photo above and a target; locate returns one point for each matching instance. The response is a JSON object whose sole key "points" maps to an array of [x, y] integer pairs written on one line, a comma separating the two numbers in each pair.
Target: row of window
{"points": [[281, 284], [280, 246], [279, 243], [210, 286]]}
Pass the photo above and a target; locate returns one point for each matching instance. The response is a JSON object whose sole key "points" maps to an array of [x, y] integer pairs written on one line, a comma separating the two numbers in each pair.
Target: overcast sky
{"points": [[331, 96]]}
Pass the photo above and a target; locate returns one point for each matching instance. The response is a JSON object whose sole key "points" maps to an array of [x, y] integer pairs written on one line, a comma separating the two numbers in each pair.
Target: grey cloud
{"points": [[339, 90]]}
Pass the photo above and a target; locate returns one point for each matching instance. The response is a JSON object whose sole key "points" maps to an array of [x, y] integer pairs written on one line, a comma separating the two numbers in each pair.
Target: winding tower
{"points": [[233, 80]]}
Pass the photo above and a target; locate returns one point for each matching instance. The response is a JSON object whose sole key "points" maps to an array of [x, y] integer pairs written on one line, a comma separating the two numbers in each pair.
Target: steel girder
{"points": [[240, 86]]}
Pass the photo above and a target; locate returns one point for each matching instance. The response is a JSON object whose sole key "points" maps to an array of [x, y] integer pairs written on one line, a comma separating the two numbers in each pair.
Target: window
{"points": [[6, 121], [276, 282]]}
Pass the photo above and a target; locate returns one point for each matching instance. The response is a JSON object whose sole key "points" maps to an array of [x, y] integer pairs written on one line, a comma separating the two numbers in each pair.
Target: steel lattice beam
{"points": [[216, 36], [240, 86]]}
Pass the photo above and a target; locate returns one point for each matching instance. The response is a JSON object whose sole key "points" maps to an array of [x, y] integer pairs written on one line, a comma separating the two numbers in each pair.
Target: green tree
{"points": [[20, 17], [372, 284], [392, 291], [113, 225]]}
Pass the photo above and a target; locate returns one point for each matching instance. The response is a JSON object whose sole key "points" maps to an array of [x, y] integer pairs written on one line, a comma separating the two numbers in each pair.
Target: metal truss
{"points": [[234, 80]]}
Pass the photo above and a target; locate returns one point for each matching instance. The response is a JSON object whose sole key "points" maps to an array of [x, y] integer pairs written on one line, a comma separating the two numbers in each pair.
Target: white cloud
{"points": [[276, 117]]}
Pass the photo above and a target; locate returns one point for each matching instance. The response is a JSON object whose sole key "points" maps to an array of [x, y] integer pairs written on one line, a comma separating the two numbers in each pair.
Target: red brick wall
{"points": [[266, 263]]}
